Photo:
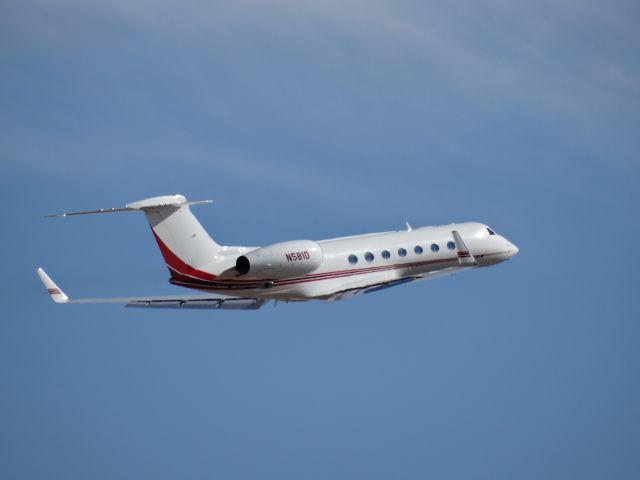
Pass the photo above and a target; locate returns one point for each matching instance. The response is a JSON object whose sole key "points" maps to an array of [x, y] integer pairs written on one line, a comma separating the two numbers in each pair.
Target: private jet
{"points": [[245, 278]]}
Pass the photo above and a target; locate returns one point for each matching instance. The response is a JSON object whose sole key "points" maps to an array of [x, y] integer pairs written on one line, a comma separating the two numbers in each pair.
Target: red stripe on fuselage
{"points": [[175, 264], [254, 284]]}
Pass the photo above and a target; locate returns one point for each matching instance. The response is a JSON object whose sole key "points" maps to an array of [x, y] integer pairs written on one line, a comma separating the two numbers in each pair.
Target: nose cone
{"points": [[512, 250]]}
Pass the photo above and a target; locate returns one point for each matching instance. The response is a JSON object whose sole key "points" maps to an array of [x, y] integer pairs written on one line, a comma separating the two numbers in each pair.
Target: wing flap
{"points": [[231, 303]]}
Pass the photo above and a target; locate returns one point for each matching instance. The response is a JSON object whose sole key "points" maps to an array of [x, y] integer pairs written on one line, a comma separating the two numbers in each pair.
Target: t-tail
{"points": [[186, 247]]}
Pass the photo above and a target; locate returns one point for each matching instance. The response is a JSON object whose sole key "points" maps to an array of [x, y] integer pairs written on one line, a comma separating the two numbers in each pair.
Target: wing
{"points": [[352, 292], [221, 302]]}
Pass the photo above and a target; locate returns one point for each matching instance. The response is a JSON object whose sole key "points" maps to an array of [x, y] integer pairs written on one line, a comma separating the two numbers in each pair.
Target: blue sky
{"points": [[314, 120]]}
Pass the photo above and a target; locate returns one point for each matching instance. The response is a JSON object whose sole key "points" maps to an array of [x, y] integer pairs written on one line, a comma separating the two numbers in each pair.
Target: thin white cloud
{"points": [[529, 52], [564, 63]]}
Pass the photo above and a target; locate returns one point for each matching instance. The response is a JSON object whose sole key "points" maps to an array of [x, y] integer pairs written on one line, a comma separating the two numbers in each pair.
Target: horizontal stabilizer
{"points": [[147, 204]]}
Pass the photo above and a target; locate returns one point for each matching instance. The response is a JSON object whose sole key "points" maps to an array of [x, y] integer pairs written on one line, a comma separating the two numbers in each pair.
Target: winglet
{"points": [[57, 295], [464, 256]]}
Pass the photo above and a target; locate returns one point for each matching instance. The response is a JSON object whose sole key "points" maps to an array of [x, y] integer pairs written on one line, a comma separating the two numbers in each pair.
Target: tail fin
{"points": [[185, 245]]}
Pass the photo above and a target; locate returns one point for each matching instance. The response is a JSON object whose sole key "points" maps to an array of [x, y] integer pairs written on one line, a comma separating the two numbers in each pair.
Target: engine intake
{"points": [[281, 260], [243, 265]]}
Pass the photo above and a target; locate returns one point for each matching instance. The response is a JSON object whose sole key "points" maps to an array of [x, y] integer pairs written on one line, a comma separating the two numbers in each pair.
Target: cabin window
{"points": [[435, 247], [368, 257], [451, 245], [386, 254], [418, 249], [353, 259], [402, 252]]}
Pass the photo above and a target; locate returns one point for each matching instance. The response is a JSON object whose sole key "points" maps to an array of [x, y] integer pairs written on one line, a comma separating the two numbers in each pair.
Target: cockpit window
{"points": [[491, 232]]}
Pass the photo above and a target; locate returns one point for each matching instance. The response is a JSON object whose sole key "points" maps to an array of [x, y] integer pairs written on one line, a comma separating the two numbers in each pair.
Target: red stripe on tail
{"points": [[176, 264]]}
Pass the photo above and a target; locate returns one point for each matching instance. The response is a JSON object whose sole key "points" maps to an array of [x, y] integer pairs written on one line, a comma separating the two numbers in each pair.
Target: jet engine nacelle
{"points": [[281, 260]]}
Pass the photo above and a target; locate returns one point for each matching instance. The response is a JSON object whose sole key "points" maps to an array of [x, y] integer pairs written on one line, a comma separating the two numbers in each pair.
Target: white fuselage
{"points": [[363, 261]]}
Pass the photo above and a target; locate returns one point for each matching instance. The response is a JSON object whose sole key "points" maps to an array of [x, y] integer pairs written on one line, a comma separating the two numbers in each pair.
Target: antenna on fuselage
{"points": [[409, 228]]}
